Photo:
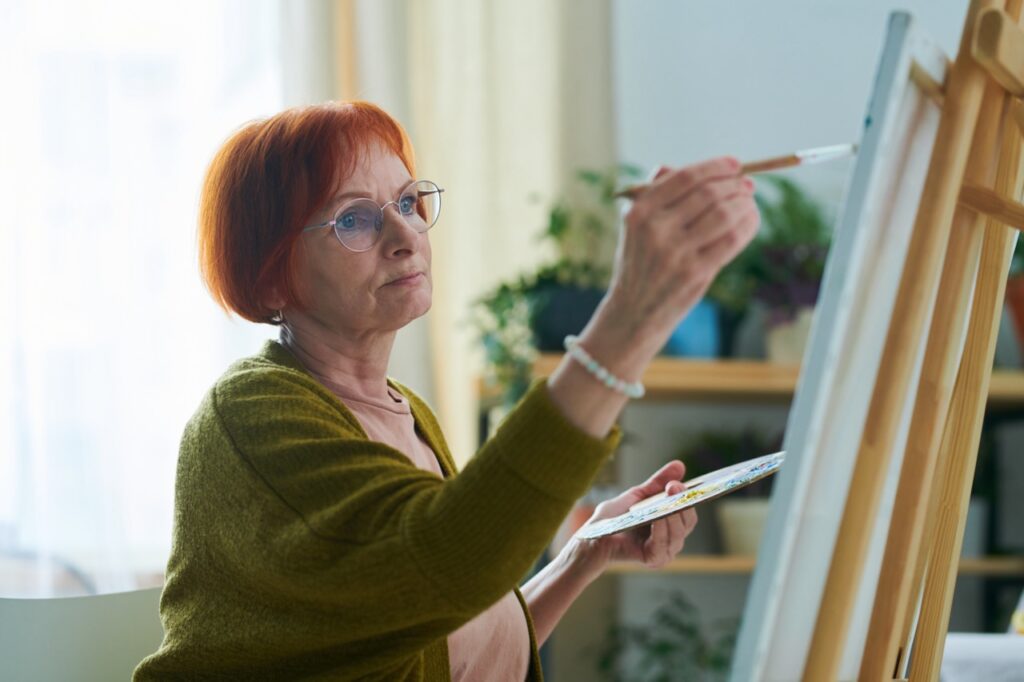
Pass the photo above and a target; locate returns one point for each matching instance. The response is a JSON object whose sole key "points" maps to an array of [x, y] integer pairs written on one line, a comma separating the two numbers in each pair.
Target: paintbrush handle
{"points": [[770, 164], [762, 165], [774, 163]]}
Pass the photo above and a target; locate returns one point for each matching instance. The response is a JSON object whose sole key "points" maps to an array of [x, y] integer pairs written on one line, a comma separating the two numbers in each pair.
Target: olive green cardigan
{"points": [[304, 550]]}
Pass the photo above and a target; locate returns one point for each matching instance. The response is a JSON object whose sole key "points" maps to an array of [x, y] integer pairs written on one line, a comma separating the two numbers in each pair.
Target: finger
{"points": [[659, 172], [727, 246], [674, 185], [677, 533], [691, 207], [674, 487], [689, 518], [657, 544], [722, 216]]}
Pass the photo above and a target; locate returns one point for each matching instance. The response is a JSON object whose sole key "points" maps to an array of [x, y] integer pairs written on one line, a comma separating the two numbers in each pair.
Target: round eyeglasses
{"points": [[358, 224]]}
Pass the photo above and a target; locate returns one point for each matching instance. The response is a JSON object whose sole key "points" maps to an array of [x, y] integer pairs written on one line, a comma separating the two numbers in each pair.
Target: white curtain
{"points": [[111, 112], [504, 101]]}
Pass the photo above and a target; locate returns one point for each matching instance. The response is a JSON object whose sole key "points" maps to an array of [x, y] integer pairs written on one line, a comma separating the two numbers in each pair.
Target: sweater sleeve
{"points": [[458, 544]]}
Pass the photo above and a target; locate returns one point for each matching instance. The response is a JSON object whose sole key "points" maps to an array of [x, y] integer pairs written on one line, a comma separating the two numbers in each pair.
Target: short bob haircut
{"points": [[266, 183]]}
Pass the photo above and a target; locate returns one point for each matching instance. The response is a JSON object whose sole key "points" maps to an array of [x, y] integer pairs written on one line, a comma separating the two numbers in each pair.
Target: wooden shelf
{"points": [[674, 378], [733, 379], [733, 565], [695, 563], [998, 565]]}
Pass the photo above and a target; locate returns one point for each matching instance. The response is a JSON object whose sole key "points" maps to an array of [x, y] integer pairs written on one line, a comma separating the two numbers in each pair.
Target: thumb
{"points": [[657, 483], [660, 480]]}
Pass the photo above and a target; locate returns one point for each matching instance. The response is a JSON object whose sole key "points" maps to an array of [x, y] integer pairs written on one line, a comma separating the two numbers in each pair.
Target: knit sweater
{"points": [[304, 550]]}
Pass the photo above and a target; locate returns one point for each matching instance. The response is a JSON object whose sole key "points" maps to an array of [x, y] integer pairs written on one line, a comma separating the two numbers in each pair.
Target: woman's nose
{"points": [[398, 234]]}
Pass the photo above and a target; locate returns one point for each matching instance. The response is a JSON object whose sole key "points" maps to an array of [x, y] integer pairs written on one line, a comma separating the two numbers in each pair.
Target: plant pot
{"points": [[748, 340], [786, 342], [729, 322], [741, 522], [697, 336], [560, 311]]}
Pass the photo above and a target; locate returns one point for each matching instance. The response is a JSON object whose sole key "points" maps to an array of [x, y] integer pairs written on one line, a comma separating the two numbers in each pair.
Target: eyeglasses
{"points": [[358, 224]]}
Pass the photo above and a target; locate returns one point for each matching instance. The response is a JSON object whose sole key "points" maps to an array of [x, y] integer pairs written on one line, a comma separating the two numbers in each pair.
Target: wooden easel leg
{"points": [[897, 592], [928, 242], [960, 449]]}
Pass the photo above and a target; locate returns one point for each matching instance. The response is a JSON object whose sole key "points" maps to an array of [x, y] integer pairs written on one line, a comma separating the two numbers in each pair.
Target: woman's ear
{"points": [[274, 300]]}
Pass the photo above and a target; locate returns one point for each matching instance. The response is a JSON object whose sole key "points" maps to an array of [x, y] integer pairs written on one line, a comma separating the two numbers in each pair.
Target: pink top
{"points": [[496, 640]]}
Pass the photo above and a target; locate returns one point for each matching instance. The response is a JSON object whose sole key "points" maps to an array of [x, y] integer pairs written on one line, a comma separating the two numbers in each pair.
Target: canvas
{"points": [[827, 418]]}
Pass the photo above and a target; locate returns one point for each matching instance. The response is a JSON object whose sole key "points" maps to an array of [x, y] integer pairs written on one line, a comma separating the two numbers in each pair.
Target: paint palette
{"points": [[700, 489]]}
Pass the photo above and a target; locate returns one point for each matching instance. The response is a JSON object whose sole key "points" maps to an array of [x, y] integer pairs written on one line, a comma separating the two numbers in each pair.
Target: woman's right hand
{"points": [[679, 233]]}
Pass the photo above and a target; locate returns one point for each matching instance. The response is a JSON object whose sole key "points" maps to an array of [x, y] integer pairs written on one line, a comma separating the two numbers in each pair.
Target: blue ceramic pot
{"points": [[697, 336]]}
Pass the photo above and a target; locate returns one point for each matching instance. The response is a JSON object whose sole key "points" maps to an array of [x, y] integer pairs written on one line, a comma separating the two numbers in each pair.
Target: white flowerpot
{"points": [[741, 522], [786, 342]]}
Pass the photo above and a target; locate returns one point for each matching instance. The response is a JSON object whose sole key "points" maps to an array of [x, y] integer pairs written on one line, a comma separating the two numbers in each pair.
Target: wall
{"points": [[753, 79]]}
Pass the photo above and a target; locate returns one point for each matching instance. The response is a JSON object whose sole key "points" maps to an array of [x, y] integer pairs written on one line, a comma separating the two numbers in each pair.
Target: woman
{"points": [[320, 529]]}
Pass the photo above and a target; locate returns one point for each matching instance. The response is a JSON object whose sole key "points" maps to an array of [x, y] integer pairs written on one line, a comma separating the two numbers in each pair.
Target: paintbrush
{"points": [[807, 156]]}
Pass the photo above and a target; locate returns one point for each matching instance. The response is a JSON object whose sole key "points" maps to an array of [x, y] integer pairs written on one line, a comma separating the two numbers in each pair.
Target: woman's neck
{"points": [[359, 364]]}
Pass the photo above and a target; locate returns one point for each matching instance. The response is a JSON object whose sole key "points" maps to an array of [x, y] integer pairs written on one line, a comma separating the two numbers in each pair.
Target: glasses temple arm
{"points": [[329, 223]]}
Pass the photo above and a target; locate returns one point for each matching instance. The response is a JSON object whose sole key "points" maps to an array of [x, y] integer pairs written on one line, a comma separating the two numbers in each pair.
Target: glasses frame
{"points": [[333, 223]]}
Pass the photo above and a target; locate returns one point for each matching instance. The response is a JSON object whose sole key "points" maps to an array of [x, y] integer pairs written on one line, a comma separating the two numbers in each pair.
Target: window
{"points": [[111, 113]]}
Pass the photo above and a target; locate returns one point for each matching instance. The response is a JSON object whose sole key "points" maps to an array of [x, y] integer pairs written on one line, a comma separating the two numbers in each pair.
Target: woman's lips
{"points": [[408, 279]]}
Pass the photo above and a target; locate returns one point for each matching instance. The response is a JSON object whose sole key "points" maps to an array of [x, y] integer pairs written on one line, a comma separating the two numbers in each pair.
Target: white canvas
{"points": [[837, 380]]}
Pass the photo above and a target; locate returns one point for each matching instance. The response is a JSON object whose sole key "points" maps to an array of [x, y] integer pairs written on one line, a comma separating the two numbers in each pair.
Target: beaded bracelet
{"points": [[632, 389]]}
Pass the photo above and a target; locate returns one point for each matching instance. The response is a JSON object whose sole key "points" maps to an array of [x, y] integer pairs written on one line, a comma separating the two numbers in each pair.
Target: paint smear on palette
{"points": [[700, 489]]}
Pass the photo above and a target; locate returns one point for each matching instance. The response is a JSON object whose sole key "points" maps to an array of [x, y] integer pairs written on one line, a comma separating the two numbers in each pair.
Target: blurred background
{"points": [[530, 114]]}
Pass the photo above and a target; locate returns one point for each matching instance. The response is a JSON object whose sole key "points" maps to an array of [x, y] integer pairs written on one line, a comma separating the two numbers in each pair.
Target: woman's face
{"points": [[379, 290]]}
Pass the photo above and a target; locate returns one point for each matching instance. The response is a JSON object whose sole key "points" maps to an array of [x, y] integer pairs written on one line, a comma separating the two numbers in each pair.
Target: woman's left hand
{"points": [[655, 544]]}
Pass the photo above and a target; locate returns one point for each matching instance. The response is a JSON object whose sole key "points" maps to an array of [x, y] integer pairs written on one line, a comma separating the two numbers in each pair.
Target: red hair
{"points": [[266, 183]]}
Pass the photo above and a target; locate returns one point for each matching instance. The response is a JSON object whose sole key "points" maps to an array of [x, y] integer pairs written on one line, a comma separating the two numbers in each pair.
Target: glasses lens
{"points": [[358, 224], [428, 203]]}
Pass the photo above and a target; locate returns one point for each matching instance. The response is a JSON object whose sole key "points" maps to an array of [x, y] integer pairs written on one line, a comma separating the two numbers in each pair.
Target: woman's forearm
{"points": [[551, 592], [615, 342]]}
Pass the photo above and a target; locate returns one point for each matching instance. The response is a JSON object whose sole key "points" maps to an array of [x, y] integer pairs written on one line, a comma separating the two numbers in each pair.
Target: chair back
{"points": [[101, 637]]}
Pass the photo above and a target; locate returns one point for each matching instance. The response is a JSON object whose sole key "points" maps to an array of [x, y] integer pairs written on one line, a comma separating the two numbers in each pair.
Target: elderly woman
{"points": [[321, 530]]}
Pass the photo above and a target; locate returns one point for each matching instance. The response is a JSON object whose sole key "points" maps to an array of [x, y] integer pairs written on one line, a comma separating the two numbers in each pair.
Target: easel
{"points": [[960, 244]]}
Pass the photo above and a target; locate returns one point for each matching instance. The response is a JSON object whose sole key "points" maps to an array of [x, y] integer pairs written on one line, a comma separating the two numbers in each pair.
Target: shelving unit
{"points": [[725, 564], [744, 380], [749, 385], [673, 378]]}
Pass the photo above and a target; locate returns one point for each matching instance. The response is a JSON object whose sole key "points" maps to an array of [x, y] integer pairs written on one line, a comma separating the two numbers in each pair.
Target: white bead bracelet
{"points": [[633, 389]]}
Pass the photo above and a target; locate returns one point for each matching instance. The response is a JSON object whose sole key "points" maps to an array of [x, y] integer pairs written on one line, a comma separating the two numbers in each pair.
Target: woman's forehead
{"points": [[376, 171]]}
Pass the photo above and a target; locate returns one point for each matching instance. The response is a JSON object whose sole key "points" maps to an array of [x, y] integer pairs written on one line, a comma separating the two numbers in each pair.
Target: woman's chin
{"points": [[419, 306]]}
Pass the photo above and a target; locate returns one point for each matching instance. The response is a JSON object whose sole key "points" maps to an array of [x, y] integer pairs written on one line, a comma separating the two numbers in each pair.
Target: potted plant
{"points": [[740, 515], [777, 277], [583, 230], [673, 645], [536, 310]]}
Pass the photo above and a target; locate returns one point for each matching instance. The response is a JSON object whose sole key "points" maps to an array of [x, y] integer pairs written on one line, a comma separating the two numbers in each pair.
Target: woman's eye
{"points": [[407, 204], [348, 221]]}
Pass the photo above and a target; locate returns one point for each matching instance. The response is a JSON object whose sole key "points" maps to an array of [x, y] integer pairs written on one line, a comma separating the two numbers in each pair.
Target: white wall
{"points": [[753, 79]]}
